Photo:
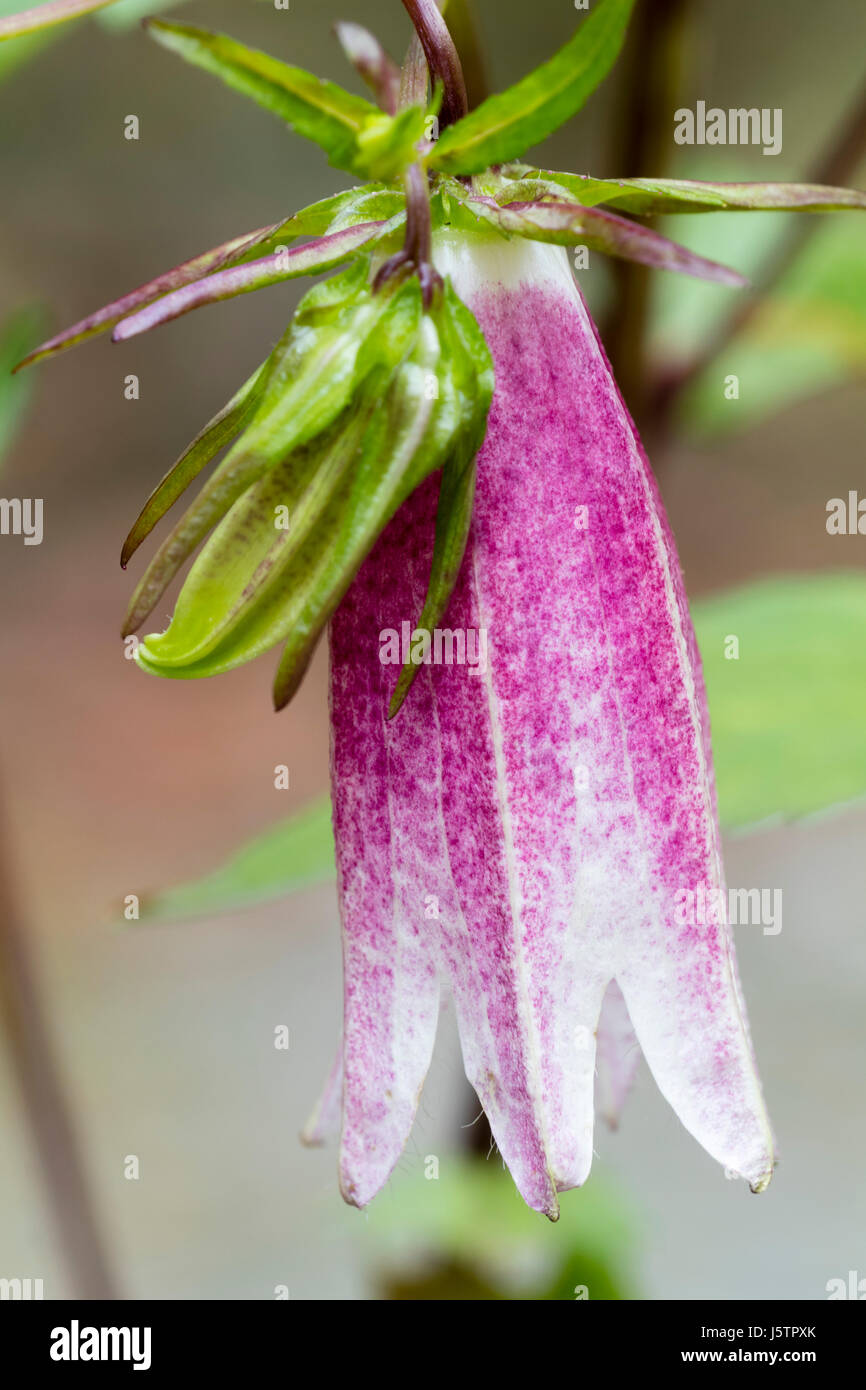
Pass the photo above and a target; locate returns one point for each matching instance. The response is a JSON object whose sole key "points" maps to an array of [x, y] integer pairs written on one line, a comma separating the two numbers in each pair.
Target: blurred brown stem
{"points": [[835, 167], [35, 1068], [650, 83]]}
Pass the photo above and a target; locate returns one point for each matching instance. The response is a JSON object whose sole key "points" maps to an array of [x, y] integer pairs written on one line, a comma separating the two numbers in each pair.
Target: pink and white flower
{"points": [[517, 840]]}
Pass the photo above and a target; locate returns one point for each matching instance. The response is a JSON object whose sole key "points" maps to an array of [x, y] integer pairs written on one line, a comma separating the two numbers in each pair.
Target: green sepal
{"points": [[656, 197], [504, 126], [312, 375], [225, 426], [253, 586], [474, 378], [353, 132], [370, 202], [321, 111], [388, 145]]}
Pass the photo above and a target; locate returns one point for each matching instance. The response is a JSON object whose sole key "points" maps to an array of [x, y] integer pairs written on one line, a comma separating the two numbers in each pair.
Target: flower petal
{"points": [[399, 764], [386, 868], [578, 790], [324, 1122], [617, 1056]]}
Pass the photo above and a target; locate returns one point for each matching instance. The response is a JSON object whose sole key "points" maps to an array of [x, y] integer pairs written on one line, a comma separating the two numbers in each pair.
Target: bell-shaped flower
{"points": [[521, 766]]}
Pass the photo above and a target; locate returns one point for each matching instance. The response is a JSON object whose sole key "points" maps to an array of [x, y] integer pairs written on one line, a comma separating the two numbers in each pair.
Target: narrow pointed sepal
{"points": [[369, 203], [658, 197], [570, 224], [372, 62], [325, 253], [218, 432]]}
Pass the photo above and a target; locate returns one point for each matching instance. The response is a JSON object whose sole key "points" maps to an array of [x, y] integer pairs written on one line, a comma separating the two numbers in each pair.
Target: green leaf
{"points": [[16, 334], [319, 110], [472, 1222], [504, 126], [789, 736], [295, 853], [807, 336]]}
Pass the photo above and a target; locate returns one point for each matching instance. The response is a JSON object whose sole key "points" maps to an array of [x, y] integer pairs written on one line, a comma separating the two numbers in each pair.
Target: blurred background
{"points": [[115, 784]]}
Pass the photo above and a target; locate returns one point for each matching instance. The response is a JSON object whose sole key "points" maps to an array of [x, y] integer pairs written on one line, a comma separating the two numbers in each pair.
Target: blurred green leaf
{"points": [[16, 334], [484, 1242], [505, 125], [128, 14], [789, 733], [807, 336], [295, 853]]}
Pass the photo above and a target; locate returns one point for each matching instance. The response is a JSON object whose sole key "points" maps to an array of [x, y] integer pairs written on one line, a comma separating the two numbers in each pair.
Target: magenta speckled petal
{"points": [[387, 860], [520, 832], [597, 726]]}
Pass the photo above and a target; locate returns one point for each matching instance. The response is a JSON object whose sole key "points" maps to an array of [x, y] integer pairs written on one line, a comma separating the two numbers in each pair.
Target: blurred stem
{"points": [[651, 81], [836, 167], [36, 1071]]}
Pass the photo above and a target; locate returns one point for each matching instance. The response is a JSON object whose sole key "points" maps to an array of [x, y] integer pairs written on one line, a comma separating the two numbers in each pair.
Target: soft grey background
{"points": [[117, 783]]}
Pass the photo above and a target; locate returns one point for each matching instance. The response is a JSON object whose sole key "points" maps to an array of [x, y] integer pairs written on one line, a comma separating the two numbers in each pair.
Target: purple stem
{"points": [[442, 57], [417, 251]]}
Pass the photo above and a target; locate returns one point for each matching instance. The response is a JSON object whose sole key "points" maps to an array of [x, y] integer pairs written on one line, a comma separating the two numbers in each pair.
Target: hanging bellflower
{"points": [[435, 464]]}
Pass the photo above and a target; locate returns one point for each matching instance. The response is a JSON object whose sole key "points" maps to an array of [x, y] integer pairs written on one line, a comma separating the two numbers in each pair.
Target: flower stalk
{"points": [[442, 57], [417, 252]]}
